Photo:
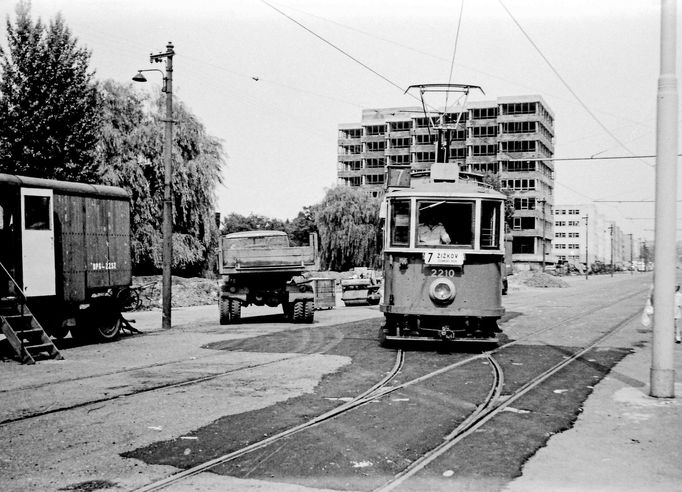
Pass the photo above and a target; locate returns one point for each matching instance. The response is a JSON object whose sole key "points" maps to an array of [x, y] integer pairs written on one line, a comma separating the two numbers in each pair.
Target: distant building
{"points": [[511, 137], [582, 235]]}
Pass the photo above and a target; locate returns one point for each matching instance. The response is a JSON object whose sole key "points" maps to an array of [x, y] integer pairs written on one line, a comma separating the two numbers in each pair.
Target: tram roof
{"points": [[445, 190], [68, 187]]}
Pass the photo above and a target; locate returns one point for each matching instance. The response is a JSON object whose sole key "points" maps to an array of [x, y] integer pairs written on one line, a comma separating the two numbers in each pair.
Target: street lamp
{"points": [[168, 176], [587, 250]]}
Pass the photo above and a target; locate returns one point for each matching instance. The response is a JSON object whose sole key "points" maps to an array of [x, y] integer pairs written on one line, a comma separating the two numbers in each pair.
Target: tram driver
{"points": [[431, 231]]}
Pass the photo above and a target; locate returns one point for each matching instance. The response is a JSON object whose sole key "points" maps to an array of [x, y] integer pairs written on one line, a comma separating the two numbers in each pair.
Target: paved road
{"points": [[77, 445]]}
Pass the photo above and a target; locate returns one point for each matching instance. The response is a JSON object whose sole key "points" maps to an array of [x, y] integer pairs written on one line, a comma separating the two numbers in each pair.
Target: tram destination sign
{"points": [[454, 258]]}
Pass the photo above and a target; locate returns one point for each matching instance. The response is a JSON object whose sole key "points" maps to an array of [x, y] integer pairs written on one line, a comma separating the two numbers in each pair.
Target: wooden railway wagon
{"points": [[65, 254]]}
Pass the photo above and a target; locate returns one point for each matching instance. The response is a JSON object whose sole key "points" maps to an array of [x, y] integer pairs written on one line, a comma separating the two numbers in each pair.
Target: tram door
{"points": [[37, 242]]}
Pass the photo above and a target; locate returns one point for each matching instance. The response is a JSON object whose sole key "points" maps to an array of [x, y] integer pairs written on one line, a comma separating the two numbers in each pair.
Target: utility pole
{"points": [[662, 372], [611, 235], [167, 227], [632, 263], [587, 248]]}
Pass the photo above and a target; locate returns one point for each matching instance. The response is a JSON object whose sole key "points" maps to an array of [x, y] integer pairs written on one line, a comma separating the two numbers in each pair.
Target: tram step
{"points": [[30, 333]]}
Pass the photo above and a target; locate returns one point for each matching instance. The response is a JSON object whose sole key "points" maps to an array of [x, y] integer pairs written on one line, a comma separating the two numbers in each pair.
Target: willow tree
{"points": [[130, 155], [348, 223]]}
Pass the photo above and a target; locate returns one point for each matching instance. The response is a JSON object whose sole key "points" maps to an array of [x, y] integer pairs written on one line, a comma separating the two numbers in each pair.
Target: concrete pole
{"points": [[167, 194], [587, 247], [662, 372]]}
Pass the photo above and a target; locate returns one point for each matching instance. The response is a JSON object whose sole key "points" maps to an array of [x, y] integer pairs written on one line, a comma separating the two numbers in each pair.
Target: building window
{"points": [[523, 245], [400, 143], [524, 203], [400, 126], [425, 139], [483, 131], [458, 153], [520, 166], [574, 212], [559, 234], [560, 246], [424, 157], [375, 146], [480, 150], [400, 160], [519, 108], [484, 113], [518, 146], [518, 184], [519, 127], [374, 163], [573, 223], [560, 223], [573, 234], [375, 130], [374, 179]]}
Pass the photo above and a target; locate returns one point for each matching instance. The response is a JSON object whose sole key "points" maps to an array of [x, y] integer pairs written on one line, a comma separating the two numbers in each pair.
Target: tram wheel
{"points": [[60, 330]]}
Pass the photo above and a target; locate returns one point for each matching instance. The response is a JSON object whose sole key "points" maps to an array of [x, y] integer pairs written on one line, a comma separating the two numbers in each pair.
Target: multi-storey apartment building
{"points": [[511, 137], [583, 235]]}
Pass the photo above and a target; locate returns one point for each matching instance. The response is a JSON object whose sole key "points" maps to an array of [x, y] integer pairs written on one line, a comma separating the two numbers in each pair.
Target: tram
{"points": [[443, 253]]}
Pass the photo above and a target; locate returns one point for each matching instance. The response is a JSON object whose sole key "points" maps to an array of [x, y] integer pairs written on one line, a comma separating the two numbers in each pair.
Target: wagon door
{"points": [[37, 241]]}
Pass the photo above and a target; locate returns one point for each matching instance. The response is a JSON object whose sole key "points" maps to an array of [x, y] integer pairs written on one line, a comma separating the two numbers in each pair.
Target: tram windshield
{"points": [[443, 223]]}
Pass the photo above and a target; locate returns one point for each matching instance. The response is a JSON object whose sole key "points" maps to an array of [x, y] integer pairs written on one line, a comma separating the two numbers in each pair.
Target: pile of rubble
{"points": [[538, 279]]}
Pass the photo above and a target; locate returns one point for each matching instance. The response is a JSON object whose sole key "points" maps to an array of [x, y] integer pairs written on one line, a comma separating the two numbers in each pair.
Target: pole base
{"points": [[662, 383]]}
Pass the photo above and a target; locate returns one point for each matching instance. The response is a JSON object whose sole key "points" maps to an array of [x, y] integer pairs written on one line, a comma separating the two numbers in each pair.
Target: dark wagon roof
{"points": [[66, 186]]}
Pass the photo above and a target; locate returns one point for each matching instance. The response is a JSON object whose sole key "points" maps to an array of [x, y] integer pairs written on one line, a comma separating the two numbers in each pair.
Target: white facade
{"points": [[583, 235]]}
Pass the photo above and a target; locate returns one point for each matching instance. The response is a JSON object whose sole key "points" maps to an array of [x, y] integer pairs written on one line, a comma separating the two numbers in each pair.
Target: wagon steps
{"points": [[23, 332]]}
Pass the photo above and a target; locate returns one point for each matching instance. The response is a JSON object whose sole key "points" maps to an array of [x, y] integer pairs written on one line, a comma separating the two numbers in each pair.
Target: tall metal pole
{"points": [[632, 262], [167, 189], [587, 248], [662, 372], [611, 229], [544, 223]]}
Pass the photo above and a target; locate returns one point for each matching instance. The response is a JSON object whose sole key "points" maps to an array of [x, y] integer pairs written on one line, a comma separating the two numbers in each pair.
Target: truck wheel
{"points": [[299, 311], [235, 310], [224, 307], [308, 311]]}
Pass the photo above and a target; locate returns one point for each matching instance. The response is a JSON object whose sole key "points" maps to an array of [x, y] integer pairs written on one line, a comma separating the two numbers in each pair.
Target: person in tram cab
{"points": [[431, 231]]}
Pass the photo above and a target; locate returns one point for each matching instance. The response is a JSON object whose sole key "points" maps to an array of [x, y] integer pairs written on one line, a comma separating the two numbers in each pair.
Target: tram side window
{"points": [[37, 213], [445, 223], [490, 225], [400, 223]]}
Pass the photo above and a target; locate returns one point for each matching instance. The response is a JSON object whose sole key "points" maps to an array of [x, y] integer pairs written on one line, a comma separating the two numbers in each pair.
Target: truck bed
{"points": [[294, 259]]}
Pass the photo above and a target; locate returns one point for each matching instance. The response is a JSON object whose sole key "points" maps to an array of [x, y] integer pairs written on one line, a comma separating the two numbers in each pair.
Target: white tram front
{"points": [[443, 256]]}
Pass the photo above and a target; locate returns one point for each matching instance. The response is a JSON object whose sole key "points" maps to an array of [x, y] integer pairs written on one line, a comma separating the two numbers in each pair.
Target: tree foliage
{"points": [[130, 155], [252, 222], [349, 226], [301, 226], [49, 118]]}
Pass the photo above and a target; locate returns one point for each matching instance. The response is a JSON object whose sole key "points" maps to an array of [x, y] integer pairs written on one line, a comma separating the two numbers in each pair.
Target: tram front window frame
{"points": [[445, 223], [400, 223]]}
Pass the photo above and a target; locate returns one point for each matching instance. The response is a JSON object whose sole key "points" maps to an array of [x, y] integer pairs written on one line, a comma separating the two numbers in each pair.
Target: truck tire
{"points": [[101, 322], [235, 310], [224, 307], [308, 311], [299, 312]]}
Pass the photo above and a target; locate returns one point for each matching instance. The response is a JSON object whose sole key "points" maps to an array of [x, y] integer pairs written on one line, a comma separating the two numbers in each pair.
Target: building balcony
{"points": [[349, 141], [349, 157], [400, 134], [398, 151], [373, 154], [481, 159], [349, 174], [507, 118], [373, 138], [423, 148]]}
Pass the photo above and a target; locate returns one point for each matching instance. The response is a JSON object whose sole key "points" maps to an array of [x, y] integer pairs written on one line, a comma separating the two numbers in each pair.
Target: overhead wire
{"points": [[340, 50], [565, 83], [454, 52]]}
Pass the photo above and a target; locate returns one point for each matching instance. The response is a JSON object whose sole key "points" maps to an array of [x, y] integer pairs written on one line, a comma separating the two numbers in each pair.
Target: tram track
{"points": [[491, 406]]}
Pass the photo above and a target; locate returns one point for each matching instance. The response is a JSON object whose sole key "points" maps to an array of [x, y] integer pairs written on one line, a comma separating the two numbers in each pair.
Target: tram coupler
{"points": [[446, 334]]}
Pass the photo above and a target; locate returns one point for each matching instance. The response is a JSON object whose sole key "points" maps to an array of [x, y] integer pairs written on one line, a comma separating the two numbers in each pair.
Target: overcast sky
{"points": [[280, 131]]}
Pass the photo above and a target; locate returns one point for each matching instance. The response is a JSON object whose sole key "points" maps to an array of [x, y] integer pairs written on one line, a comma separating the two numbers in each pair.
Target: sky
{"points": [[274, 92]]}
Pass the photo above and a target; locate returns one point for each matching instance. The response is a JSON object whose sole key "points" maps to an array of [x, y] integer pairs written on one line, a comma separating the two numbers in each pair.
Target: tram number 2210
{"points": [[442, 272]]}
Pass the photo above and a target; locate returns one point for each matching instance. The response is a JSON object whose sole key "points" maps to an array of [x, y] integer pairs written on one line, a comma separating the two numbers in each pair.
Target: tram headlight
{"points": [[442, 291]]}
